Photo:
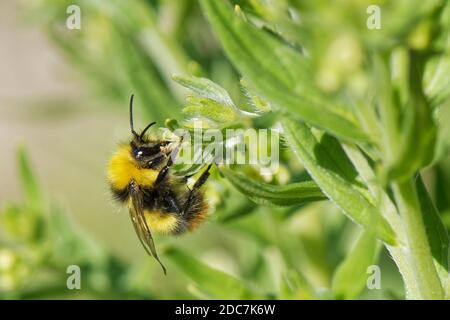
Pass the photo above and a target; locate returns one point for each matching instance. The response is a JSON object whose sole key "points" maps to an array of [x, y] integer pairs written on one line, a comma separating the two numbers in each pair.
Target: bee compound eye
{"points": [[137, 152]]}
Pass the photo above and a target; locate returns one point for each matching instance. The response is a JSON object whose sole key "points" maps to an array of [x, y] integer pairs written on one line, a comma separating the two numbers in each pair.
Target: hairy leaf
{"points": [[205, 88], [274, 195], [316, 160], [277, 71]]}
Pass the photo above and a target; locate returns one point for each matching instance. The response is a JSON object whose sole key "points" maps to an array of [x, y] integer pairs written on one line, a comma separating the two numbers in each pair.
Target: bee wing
{"points": [[136, 209]]}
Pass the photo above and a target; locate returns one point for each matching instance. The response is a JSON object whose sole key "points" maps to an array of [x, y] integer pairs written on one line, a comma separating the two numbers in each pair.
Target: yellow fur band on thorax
{"points": [[123, 168]]}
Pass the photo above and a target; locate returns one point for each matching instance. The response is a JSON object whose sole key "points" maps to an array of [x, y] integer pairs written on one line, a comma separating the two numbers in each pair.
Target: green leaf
{"points": [[210, 102], [341, 163], [209, 109], [216, 284], [410, 131], [440, 94], [69, 242], [274, 195], [443, 141], [257, 105], [22, 224], [28, 180], [334, 184], [437, 234], [437, 76], [294, 286], [205, 88], [418, 139], [387, 207], [124, 50], [400, 18], [277, 71], [351, 275]]}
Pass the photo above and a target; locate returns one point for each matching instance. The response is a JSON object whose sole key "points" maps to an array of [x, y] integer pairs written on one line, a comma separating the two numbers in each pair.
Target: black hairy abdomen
{"points": [[170, 197]]}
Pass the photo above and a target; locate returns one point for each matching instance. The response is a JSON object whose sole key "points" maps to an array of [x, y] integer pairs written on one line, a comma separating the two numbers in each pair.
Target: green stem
{"points": [[420, 256], [389, 211]]}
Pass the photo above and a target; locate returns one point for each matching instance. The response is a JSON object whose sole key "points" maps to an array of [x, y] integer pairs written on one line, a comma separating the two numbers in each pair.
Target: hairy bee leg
{"points": [[162, 174], [174, 153], [200, 181], [165, 170], [173, 203]]}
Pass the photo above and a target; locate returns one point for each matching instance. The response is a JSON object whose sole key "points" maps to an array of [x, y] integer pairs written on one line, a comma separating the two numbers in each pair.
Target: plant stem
{"points": [[390, 212], [421, 259]]}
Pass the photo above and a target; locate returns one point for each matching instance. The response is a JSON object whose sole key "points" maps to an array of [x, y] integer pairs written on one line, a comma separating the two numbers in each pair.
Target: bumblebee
{"points": [[139, 175]]}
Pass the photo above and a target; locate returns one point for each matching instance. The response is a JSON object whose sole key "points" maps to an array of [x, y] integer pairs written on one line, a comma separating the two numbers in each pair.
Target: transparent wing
{"points": [[136, 209]]}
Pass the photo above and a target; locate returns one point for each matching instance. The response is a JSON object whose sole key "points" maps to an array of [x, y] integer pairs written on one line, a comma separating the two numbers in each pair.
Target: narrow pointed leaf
{"points": [[274, 195], [215, 283], [351, 275], [278, 72], [437, 234], [28, 179], [317, 162]]}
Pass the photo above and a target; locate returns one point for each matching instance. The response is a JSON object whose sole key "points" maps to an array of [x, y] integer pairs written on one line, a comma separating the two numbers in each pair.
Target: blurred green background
{"points": [[63, 98]]}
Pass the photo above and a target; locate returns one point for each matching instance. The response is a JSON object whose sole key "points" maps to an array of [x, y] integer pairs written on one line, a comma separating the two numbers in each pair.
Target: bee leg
{"points": [[172, 203], [174, 153], [162, 174], [165, 170], [200, 181]]}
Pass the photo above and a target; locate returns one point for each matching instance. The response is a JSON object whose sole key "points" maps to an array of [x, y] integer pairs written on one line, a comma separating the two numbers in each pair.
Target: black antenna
{"points": [[145, 130], [131, 117]]}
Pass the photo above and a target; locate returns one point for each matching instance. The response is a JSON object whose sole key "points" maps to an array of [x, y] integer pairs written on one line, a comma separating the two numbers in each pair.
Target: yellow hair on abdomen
{"points": [[161, 222], [123, 168]]}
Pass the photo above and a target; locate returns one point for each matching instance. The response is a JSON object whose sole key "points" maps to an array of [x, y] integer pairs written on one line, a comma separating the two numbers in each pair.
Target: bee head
{"points": [[149, 153]]}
